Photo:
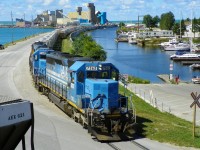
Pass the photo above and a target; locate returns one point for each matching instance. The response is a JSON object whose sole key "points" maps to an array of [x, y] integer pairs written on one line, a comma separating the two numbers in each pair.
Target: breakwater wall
{"points": [[73, 31]]}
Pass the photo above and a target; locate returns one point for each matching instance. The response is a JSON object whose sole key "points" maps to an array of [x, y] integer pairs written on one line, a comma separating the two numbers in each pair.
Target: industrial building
{"points": [[78, 17], [22, 23], [48, 18], [89, 17]]}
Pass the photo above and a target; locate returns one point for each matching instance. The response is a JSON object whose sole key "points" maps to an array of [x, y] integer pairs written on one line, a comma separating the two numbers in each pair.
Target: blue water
{"points": [[7, 23], [8, 35], [145, 63]]}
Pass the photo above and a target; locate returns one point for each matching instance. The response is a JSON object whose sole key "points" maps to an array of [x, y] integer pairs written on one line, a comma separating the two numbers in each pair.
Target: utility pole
{"points": [[12, 25], [139, 22]]}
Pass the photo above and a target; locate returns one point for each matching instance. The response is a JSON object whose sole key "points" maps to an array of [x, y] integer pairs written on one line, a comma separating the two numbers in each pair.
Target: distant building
{"points": [[48, 17], [150, 34], [84, 17], [59, 13], [22, 23]]}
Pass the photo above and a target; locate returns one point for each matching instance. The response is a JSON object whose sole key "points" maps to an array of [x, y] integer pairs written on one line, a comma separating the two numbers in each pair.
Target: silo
{"points": [[91, 17], [79, 9]]}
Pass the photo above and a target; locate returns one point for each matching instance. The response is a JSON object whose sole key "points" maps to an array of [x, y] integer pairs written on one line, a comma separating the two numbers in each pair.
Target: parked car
{"points": [[1, 46], [196, 80]]}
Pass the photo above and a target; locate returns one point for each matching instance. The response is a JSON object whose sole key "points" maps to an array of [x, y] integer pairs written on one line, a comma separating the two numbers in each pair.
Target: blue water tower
{"points": [[102, 17]]}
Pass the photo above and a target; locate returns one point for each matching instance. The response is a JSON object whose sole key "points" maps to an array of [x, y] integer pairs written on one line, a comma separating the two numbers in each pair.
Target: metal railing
{"points": [[148, 97]]}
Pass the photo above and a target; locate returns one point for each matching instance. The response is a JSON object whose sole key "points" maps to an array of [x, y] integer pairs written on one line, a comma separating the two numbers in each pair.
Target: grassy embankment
{"points": [[16, 41], [66, 45], [163, 127]]}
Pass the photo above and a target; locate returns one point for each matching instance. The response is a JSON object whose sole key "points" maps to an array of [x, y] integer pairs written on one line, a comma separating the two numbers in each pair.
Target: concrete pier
{"points": [[164, 77]]}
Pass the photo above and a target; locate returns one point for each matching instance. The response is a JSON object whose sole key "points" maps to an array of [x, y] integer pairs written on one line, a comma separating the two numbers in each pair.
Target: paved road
{"points": [[175, 99], [53, 129]]}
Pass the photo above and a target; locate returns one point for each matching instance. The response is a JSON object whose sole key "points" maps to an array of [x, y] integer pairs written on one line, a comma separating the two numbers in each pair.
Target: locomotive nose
{"points": [[103, 94]]}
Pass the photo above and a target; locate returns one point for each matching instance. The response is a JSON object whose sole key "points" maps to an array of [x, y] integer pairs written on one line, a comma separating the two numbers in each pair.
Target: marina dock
{"points": [[190, 62], [164, 77], [186, 59]]}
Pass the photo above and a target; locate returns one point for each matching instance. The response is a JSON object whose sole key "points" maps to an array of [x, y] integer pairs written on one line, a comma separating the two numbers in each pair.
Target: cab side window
{"points": [[115, 75], [80, 76]]}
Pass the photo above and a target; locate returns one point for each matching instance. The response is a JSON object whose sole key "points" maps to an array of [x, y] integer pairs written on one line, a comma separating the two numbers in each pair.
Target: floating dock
{"points": [[190, 62], [121, 39], [186, 59]]}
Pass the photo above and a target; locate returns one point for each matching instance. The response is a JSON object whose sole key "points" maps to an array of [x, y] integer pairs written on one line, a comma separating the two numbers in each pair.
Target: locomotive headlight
{"points": [[100, 67]]}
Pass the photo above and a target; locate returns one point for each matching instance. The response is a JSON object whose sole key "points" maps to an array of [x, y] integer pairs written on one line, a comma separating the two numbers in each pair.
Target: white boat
{"points": [[178, 47], [186, 55], [178, 53], [196, 80], [132, 38], [195, 66], [170, 42]]}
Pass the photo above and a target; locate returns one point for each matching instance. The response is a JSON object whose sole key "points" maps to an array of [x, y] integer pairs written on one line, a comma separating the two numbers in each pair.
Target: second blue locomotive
{"points": [[86, 90]]}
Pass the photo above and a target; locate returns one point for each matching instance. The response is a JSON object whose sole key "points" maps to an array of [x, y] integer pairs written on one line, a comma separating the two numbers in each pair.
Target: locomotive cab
{"points": [[39, 61]]}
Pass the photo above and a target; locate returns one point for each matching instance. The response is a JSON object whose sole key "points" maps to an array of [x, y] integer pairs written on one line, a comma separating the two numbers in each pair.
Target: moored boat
{"points": [[132, 39], [178, 47], [187, 56], [170, 42], [195, 66]]}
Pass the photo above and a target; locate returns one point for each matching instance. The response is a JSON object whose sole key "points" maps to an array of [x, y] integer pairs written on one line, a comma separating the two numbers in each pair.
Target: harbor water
{"points": [[8, 35], [145, 63]]}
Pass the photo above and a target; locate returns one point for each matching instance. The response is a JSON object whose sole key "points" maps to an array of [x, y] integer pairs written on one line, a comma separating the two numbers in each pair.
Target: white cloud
{"points": [[63, 2], [47, 2]]}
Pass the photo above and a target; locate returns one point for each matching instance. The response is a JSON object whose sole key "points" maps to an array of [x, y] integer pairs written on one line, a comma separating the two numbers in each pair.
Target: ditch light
{"points": [[16, 117]]}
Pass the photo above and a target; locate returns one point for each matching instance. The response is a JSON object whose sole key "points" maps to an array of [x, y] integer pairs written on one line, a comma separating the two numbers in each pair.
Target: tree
{"points": [[121, 24], [85, 46], [167, 21], [187, 19], [183, 27], [156, 20], [148, 21], [177, 28]]}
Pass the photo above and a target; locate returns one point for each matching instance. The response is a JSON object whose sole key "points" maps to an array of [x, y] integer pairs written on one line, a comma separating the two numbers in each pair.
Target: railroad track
{"points": [[113, 146], [138, 146]]}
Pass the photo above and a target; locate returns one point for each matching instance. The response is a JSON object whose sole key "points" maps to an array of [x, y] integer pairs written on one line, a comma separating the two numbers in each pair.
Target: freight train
{"points": [[86, 90]]}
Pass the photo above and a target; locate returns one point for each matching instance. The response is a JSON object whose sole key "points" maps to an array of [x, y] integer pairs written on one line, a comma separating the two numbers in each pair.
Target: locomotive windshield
{"points": [[92, 74], [42, 56], [102, 75]]}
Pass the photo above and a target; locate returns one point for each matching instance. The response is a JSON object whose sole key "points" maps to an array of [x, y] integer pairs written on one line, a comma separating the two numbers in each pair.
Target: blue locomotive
{"points": [[86, 90]]}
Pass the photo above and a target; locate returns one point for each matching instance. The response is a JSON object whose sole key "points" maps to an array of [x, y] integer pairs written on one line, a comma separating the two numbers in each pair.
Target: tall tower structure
{"points": [[92, 17], [79, 10]]}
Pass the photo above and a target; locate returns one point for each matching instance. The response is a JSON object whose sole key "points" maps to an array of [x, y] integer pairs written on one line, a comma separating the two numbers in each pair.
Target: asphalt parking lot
{"points": [[172, 98]]}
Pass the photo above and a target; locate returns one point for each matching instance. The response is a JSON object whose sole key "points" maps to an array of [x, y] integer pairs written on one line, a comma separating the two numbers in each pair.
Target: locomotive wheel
{"points": [[40, 89]]}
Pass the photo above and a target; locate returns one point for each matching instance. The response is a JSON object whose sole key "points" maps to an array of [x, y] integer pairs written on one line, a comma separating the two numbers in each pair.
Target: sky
{"points": [[117, 10]]}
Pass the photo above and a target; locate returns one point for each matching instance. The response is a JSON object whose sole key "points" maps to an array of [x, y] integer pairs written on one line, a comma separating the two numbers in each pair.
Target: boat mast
{"points": [[180, 25]]}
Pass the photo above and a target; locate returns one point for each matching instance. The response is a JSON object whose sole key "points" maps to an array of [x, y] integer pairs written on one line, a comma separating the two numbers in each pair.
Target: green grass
{"points": [[66, 45], [16, 41], [196, 40], [163, 127], [132, 79]]}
